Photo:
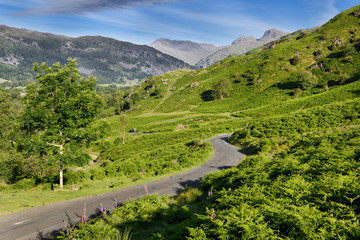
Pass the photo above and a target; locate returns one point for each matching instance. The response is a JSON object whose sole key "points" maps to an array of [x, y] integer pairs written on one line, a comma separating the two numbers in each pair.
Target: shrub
{"points": [[26, 183], [307, 80], [221, 89], [71, 177], [156, 92], [295, 60], [297, 92], [97, 173]]}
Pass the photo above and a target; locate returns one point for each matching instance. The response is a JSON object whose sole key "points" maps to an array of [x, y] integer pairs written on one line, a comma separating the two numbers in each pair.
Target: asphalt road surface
{"points": [[40, 222]]}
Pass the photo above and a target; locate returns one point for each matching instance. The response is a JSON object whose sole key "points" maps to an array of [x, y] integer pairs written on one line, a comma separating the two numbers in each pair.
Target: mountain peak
{"points": [[244, 40], [272, 34], [240, 46], [185, 50]]}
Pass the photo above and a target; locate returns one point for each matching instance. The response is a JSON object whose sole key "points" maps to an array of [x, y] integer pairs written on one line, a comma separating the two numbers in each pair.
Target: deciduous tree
{"points": [[59, 110], [6, 119], [221, 89]]}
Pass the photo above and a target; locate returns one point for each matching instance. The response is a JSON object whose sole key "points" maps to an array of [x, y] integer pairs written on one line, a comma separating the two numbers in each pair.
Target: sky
{"points": [[218, 22]]}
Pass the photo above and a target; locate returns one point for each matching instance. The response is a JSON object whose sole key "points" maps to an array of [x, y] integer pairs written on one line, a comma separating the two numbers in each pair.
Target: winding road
{"points": [[39, 222]]}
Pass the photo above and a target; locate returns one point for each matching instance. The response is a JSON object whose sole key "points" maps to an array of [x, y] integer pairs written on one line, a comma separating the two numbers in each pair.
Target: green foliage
{"points": [[157, 93], [160, 154], [221, 89], [300, 177], [61, 107], [296, 60], [6, 120], [307, 80], [310, 190], [58, 113]]}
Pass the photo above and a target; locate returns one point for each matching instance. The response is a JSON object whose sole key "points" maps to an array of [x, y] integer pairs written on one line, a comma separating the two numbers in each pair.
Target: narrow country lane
{"points": [[39, 222]]}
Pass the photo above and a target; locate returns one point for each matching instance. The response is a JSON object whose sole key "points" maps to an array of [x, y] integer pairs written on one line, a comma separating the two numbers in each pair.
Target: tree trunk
{"points": [[61, 169], [61, 177]]}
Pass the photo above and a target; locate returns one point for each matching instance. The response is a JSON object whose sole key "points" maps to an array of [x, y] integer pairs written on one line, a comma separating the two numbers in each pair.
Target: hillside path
{"points": [[39, 222]]}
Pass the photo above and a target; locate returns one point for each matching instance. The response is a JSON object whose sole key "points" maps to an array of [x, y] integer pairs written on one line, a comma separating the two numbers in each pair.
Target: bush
{"points": [[297, 92], [307, 80], [27, 183], [71, 177], [97, 173], [157, 92], [295, 60], [221, 89]]}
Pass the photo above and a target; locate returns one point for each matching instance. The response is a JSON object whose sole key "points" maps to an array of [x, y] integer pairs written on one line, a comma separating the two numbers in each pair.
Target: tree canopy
{"points": [[59, 110], [6, 118]]}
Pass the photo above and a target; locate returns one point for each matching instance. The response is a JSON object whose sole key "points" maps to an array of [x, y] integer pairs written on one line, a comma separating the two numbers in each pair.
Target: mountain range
{"points": [[110, 60], [187, 51], [241, 45], [203, 55]]}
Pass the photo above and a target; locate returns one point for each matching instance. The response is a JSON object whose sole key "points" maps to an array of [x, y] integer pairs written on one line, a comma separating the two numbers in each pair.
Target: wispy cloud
{"points": [[324, 10], [226, 20], [329, 11], [141, 23], [47, 7]]}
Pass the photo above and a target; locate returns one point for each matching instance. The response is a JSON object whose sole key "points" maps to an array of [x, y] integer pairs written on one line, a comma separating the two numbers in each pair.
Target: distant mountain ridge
{"points": [[110, 60], [240, 46], [187, 51]]}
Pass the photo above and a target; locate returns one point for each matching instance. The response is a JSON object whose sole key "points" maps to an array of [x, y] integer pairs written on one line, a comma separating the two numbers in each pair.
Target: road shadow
{"points": [[224, 138]]}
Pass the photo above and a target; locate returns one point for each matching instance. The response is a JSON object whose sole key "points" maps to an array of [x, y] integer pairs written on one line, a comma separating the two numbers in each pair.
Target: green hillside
{"points": [[293, 108], [328, 55], [112, 61]]}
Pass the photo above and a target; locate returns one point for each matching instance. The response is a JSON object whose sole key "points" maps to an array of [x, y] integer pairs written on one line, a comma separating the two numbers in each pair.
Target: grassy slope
{"points": [[271, 66], [300, 179], [262, 105]]}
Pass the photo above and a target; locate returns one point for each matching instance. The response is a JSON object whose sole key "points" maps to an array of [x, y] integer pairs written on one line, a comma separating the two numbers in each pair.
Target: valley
{"points": [[291, 106]]}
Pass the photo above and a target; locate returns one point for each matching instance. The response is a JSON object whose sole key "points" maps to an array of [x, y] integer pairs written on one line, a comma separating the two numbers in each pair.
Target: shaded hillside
{"points": [[241, 45], [110, 60], [187, 51]]}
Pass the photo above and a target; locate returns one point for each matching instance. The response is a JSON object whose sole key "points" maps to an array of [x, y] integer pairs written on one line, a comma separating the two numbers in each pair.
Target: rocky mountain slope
{"points": [[110, 60], [240, 46], [188, 51]]}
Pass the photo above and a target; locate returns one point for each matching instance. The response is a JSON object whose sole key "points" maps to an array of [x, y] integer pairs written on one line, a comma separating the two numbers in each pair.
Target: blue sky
{"points": [[142, 21]]}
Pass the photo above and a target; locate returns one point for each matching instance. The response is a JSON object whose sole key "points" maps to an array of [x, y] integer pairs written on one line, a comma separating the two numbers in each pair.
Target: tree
{"points": [[122, 104], [221, 89], [307, 80], [59, 109], [123, 123], [6, 119]]}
